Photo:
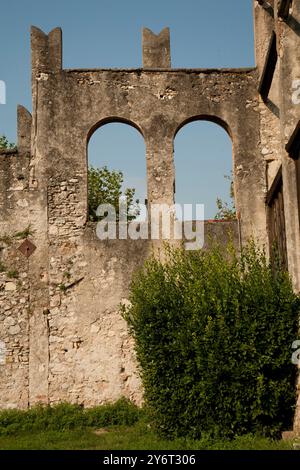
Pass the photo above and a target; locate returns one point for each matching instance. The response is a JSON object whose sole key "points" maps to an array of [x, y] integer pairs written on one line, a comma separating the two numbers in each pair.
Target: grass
{"points": [[136, 437], [65, 417], [118, 426]]}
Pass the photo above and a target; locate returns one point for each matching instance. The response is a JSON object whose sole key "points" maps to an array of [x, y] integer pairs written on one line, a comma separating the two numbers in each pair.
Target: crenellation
{"points": [[24, 123], [156, 49], [39, 51], [46, 51], [55, 50]]}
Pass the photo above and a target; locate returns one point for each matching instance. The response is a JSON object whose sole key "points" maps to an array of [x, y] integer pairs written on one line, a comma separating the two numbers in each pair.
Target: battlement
{"points": [[156, 49], [46, 51]]}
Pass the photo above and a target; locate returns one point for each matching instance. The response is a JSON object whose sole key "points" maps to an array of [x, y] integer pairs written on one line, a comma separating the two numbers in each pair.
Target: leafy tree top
{"points": [[226, 210], [5, 144], [105, 187]]}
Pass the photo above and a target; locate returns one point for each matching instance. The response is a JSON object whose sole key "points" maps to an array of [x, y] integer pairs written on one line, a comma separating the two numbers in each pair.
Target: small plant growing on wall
{"points": [[2, 267], [12, 274], [226, 210]]}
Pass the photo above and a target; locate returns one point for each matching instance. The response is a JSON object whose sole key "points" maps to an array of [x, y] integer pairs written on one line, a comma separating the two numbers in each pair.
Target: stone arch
{"points": [[114, 119], [135, 178], [205, 117], [220, 123]]}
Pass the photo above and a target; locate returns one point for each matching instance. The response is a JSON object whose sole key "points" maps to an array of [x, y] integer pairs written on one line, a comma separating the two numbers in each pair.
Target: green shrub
{"points": [[213, 334], [66, 416], [122, 412]]}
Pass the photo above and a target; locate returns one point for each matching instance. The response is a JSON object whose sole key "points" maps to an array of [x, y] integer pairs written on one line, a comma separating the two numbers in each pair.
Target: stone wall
{"points": [[14, 325], [14, 281], [280, 115]]}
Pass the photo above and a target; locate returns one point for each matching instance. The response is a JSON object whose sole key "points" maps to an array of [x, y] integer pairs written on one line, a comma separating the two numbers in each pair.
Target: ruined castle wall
{"points": [[68, 105], [280, 116], [288, 33], [158, 103], [14, 281], [270, 133], [62, 337], [79, 347], [288, 45], [91, 357]]}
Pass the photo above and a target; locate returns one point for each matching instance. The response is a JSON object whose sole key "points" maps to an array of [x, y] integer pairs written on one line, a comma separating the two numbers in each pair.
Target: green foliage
{"points": [[66, 416], [122, 412], [137, 437], [8, 239], [4, 144], [24, 233], [105, 187], [226, 211], [213, 334], [12, 274]]}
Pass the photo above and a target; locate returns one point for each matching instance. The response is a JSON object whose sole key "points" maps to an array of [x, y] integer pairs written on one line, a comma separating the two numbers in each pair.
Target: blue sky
{"points": [[107, 33]]}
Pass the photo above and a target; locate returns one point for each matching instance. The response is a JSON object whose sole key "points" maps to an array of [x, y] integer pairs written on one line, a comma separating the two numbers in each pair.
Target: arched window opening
{"points": [[203, 164], [116, 167]]}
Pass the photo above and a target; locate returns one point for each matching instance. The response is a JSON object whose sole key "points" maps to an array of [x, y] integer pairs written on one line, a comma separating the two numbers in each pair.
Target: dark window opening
{"points": [[276, 224]]}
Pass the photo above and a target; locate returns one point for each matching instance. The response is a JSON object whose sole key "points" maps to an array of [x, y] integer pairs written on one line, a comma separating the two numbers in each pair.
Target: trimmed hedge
{"points": [[213, 334]]}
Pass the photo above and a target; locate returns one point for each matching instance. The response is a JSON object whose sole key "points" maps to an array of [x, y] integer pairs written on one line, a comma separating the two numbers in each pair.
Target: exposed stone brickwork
{"points": [[14, 314], [91, 353]]}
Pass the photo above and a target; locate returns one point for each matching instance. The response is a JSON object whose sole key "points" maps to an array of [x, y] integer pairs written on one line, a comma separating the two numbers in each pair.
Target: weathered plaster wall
{"points": [[280, 115], [158, 103], [289, 52], [91, 354], [14, 282], [289, 56], [14, 325]]}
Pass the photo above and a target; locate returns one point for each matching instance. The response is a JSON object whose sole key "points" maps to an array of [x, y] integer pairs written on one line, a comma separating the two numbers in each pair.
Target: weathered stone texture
{"points": [[14, 316], [280, 115], [156, 49], [90, 350]]}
